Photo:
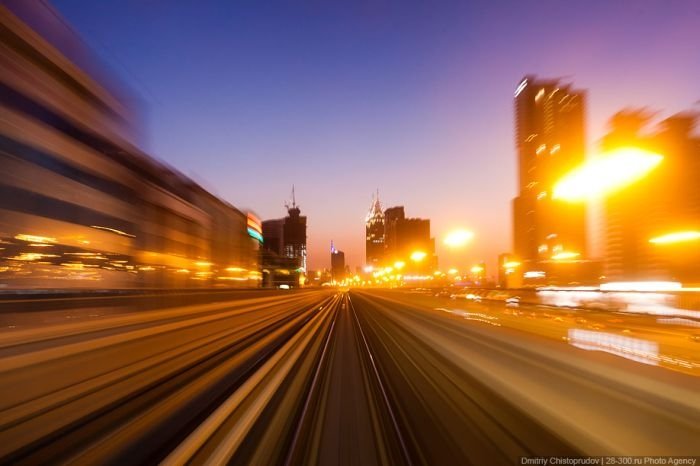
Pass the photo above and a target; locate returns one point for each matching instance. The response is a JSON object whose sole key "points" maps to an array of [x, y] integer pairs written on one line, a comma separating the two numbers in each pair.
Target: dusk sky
{"points": [[412, 98]]}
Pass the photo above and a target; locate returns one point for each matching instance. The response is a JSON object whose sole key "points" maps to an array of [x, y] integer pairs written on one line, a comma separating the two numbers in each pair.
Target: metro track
{"points": [[318, 378], [137, 411]]}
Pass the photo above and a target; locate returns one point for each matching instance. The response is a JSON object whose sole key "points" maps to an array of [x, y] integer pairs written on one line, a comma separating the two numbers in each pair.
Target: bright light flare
{"points": [[418, 256], [452, 272], [511, 265], [35, 238], [477, 269], [606, 174], [641, 286], [398, 265], [458, 238], [561, 256], [676, 237]]}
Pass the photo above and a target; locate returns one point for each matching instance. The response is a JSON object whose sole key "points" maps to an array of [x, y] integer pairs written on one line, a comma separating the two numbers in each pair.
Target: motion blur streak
{"points": [[75, 184], [523, 392], [123, 386], [608, 173], [322, 377]]}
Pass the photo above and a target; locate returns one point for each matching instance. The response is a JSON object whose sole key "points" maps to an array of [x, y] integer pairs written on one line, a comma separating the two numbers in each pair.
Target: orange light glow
{"points": [[676, 237], [458, 238], [418, 256], [565, 256], [601, 176]]}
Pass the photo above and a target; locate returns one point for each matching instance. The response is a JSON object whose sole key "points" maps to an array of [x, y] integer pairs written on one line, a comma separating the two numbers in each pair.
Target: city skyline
{"points": [[373, 116], [159, 307]]}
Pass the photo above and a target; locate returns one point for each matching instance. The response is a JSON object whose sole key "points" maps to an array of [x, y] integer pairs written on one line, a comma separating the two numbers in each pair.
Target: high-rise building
{"points": [[337, 264], [374, 237], [392, 217], [273, 233], [549, 121], [664, 202], [404, 236], [295, 235], [284, 254]]}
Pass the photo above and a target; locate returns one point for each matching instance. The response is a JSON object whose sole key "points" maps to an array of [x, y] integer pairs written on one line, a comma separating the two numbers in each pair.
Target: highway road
{"points": [[329, 377]]}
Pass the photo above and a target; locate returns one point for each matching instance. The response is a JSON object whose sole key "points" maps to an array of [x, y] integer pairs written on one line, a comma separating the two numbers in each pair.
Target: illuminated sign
{"points": [[254, 227]]}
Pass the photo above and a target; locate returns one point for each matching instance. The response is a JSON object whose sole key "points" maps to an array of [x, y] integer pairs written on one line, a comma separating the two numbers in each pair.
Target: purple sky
{"points": [[413, 98]]}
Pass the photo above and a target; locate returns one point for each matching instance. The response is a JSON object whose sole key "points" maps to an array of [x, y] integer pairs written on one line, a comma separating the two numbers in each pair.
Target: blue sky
{"points": [[412, 98]]}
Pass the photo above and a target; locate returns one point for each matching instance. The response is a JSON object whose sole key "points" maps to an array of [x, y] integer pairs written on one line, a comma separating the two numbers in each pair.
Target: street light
{"points": [[418, 256], [458, 238], [398, 265]]}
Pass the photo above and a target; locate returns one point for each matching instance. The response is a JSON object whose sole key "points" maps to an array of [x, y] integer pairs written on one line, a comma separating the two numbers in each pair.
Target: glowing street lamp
{"points": [[606, 174], [458, 238], [398, 265], [676, 237], [477, 269], [452, 272], [418, 256]]}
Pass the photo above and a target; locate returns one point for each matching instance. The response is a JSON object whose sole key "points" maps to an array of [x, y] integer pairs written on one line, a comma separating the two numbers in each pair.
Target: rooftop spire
{"points": [[375, 210], [293, 205]]}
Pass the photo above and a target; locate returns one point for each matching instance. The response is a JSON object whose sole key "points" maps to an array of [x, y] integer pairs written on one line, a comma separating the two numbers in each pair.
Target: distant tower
{"points": [[295, 233], [337, 264], [374, 229]]}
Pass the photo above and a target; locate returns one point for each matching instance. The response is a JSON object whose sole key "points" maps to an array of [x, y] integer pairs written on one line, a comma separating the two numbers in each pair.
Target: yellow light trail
{"points": [[676, 237], [606, 174], [565, 255]]}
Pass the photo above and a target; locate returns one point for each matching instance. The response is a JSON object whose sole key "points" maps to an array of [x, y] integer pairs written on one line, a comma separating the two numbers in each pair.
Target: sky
{"points": [[412, 98]]}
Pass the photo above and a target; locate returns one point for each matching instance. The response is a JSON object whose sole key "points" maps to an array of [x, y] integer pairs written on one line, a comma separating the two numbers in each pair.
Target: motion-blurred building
{"points": [[652, 226], [80, 204], [549, 120], [284, 248], [374, 234], [509, 272]]}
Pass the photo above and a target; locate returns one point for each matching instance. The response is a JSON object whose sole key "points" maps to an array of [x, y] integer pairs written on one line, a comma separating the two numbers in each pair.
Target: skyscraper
{"points": [[404, 236], [665, 202], [284, 248], [549, 121], [337, 264], [392, 217], [374, 229], [294, 233]]}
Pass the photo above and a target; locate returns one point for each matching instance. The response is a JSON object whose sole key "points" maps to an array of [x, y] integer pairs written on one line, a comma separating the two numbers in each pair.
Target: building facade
{"points": [[666, 201], [337, 264], [374, 234], [284, 248], [550, 141], [81, 206]]}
